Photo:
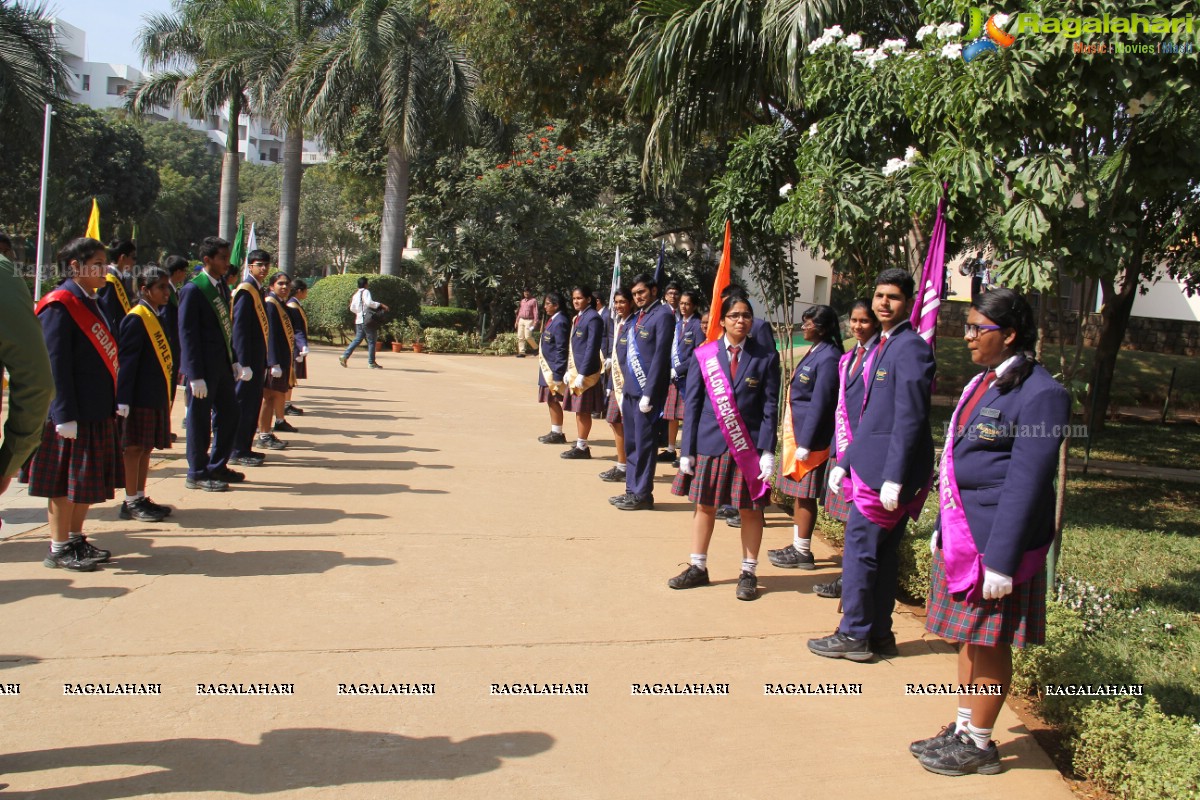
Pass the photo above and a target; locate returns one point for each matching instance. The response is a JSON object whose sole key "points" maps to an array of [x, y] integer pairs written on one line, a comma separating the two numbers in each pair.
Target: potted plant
{"points": [[393, 332], [414, 334]]}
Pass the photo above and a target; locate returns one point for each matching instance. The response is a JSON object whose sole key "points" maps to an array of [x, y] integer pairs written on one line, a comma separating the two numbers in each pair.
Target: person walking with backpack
{"points": [[367, 316]]}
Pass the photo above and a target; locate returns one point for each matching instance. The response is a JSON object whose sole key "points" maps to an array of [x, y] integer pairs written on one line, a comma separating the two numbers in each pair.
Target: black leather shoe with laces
{"points": [[576, 452], [832, 590], [70, 558], [138, 510], [613, 475], [791, 558], [923, 746], [839, 645], [747, 587], [690, 578], [960, 756], [90, 551]]}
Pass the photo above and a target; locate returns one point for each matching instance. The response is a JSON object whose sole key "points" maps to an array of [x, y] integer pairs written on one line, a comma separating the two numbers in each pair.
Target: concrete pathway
{"points": [[402, 540]]}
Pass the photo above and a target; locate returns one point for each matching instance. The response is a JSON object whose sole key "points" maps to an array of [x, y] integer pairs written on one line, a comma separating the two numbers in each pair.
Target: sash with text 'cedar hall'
{"points": [[94, 328]]}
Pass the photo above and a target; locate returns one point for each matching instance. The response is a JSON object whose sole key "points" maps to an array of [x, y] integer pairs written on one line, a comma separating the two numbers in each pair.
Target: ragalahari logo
{"points": [[984, 38]]}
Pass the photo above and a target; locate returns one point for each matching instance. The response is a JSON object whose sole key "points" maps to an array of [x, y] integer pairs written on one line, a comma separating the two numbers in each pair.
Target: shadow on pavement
{"points": [[140, 556], [291, 759], [17, 590], [337, 488]]}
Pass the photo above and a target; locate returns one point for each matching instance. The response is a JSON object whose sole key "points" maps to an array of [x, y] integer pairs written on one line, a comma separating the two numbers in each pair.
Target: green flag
{"points": [[237, 256]]}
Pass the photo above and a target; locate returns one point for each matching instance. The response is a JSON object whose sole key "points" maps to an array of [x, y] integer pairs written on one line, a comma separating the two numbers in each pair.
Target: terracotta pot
{"points": [[397, 347], [418, 347]]}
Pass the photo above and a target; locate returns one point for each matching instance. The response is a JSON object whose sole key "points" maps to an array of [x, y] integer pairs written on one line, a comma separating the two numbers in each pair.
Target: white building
{"points": [[101, 85]]}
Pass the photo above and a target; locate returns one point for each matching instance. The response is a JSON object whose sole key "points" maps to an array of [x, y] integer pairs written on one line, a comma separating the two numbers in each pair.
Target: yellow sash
{"points": [[288, 333], [119, 288], [556, 387], [303, 317], [588, 380], [789, 465], [618, 377], [158, 337], [258, 304]]}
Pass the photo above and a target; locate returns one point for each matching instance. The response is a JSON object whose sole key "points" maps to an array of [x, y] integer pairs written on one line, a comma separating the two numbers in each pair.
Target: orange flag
{"points": [[714, 313]]}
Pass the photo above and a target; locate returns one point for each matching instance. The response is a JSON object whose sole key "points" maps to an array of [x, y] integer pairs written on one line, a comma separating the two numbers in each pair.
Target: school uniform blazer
{"points": [[587, 335], [140, 382], [278, 353], [606, 339], [168, 316], [690, 337], [813, 398], [654, 349], [110, 304], [1005, 462], [856, 387], [755, 391], [893, 441], [299, 328], [84, 390], [201, 341], [554, 347], [249, 347], [761, 332]]}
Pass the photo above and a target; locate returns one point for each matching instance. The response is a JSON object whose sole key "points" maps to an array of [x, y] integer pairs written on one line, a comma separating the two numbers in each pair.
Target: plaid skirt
{"points": [[674, 407], [1019, 618], [836, 505], [808, 487], [86, 469], [613, 414], [590, 402], [149, 428], [717, 482], [544, 394]]}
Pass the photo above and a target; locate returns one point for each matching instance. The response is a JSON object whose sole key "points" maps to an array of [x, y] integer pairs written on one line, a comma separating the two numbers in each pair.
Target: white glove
{"points": [[766, 465], [687, 465], [199, 388], [644, 405], [674, 374], [889, 495], [276, 371], [836, 476], [300, 358], [237, 371], [995, 585], [933, 543], [122, 410], [605, 364], [67, 430], [246, 374], [577, 383], [304, 350], [802, 453]]}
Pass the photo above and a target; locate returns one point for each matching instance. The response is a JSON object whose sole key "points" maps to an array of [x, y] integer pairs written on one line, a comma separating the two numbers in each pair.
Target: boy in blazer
{"points": [[250, 351]]}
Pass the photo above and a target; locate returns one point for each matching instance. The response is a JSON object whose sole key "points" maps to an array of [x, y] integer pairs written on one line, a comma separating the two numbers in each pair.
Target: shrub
{"points": [[441, 340], [328, 303], [505, 344], [1034, 667], [1136, 751], [460, 319], [915, 558]]}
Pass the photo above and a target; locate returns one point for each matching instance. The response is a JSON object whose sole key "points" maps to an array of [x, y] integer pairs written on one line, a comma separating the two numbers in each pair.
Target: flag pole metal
{"points": [[41, 243]]}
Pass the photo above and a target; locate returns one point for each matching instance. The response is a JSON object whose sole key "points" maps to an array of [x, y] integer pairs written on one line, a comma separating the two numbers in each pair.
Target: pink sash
{"points": [[733, 428], [964, 563]]}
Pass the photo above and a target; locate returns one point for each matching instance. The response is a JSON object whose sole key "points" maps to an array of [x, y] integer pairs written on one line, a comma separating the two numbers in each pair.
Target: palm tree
{"points": [[31, 70], [386, 55]]}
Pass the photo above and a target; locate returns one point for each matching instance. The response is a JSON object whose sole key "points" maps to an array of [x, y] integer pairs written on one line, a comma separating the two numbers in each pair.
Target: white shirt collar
{"points": [[1007, 365], [726, 343]]}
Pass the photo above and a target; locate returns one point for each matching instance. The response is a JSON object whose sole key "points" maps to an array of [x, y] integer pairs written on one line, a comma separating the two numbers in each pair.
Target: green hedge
{"points": [[328, 303], [460, 319], [1136, 751], [442, 340]]}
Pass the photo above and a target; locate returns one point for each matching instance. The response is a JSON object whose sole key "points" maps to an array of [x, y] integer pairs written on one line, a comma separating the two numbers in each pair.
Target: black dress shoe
{"points": [[252, 460], [747, 586], [943, 737], [791, 558], [665, 456], [290, 410], [884, 646], [71, 557], [833, 589], [839, 645], [632, 502], [735, 521], [553, 438], [138, 510], [207, 484], [228, 475], [618, 498], [613, 475], [577, 452], [89, 551], [960, 756], [284, 426], [166, 510], [725, 512], [690, 578], [268, 441]]}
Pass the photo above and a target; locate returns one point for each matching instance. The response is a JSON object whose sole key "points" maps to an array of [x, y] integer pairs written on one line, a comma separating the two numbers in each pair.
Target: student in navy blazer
{"points": [[204, 350], [280, 360], [892, 454], [250, 351], [812, 401], [587, 333], [177, 273], [1004, 451], [122, 256], [708, 474], [650, 331], [687, 335], [553, 351]]}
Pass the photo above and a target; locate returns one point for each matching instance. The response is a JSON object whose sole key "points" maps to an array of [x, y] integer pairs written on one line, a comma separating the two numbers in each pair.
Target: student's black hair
{"points": [[148, 276], [623, 292], [258, 255], [212, 245], [731, 300], [175, 264], [120, 247], [644, 278], [586, 291], [865, 304], [826, 321], [81, 250], [556, 298], [4, 240], [697, 299], [299, 285], [672, 285], [362, 282], [277, 275], [1006, 308], [900, 278], [733, 289]]}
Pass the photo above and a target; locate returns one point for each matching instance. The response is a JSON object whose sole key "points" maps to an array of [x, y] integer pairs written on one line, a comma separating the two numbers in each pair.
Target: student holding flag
{"points": [[584, 391], [144, 388], [116, 296], [206, 348], [728, 450], [889, 466], [251, 330], [78, 463], [552, 365]]}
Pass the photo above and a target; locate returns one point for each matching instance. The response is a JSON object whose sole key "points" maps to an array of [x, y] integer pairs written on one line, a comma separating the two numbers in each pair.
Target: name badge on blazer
{"points": [[643, 334], [987, 432], [547, 336], [688, 338], [578, 334], [805, 377], [752, 382], [992, 413], [881, 375], [623, 340]]}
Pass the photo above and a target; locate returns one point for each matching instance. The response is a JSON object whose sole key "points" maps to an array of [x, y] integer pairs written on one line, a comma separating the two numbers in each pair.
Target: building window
{"points": [[275, 154], [87, 83]]}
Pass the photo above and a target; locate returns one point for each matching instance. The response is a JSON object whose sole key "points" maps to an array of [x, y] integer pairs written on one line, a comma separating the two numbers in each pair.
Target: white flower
{"points": [[910, 154], [952, 50], [812, 129], [925, 31], [949, 30], [896, 45], [1001, 20], [833, 33], [785, 190], [894, 165], [817, 44], [853, 41]]}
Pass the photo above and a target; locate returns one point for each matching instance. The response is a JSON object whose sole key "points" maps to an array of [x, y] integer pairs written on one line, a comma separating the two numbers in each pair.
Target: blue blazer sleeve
{"points": [[298, 328], [813, 424], [557, 336], [768, 431], [130, 344], [58, 331], [191, 345], [658, 371], [245, 326], [110, 305], [693, 336], [913, 368], [694, 397], [587, 346], [277, 346]]}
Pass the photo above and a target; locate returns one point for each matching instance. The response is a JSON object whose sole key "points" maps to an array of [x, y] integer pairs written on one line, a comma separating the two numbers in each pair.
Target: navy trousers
{"points": [[870, 576], [640, 450], [211, 420], [249, 396]]}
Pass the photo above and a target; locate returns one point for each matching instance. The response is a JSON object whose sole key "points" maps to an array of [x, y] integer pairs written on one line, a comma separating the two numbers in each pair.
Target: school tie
{"points": [[733, 361], [858, 358], [968, 409]]}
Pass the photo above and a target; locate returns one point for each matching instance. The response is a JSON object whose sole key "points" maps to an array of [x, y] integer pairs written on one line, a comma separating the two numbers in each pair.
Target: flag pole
{"points": [[41, 243]]}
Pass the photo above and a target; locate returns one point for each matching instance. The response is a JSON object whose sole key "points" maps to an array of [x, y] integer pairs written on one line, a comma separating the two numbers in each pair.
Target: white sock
{"points": [[130, 498], [750, 565], [141, 494], [962, 720], [670, 448], [58, 547], [700, 560], [981, 736], [620, 467], [581, 444], [556, 428], [802, 545]]}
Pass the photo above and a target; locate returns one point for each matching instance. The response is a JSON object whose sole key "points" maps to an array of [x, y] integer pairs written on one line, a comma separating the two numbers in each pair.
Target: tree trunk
{"points": [[231, 165], [289, 198], [1114, 319], [395, 205]]}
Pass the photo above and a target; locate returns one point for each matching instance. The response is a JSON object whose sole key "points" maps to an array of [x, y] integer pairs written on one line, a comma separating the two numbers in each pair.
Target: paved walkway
{"points": [[402, 541]]}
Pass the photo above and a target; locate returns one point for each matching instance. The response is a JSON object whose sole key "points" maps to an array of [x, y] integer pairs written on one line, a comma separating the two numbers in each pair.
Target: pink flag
{"points": [[933, 277]]}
